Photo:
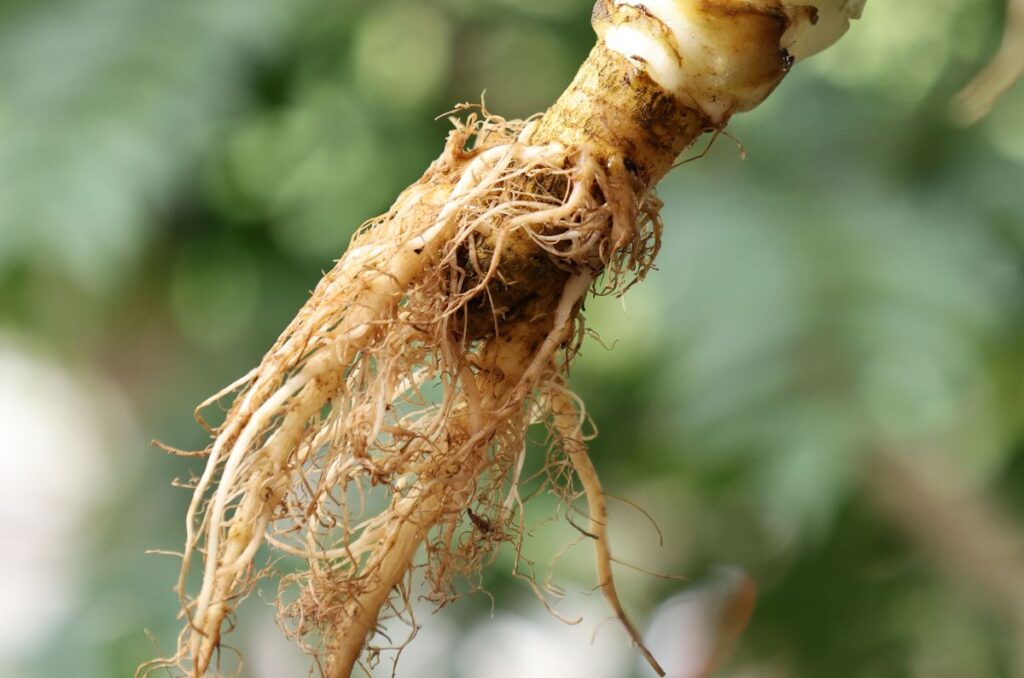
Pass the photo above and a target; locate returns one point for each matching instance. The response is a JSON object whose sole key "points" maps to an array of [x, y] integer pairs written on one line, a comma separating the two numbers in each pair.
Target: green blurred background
{"points": [[175, 174]]}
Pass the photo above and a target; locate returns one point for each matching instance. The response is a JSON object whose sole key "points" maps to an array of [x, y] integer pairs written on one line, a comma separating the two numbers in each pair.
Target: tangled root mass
{"points": [[391, 413]]}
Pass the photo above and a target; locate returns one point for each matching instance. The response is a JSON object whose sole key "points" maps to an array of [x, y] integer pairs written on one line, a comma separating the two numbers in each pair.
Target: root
{"points": [[407, 380], [409, 520], [390, 416], [568, 426]]}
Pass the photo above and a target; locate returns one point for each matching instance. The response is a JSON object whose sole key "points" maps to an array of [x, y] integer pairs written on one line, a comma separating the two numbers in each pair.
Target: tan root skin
{"points": [[391, 415]]}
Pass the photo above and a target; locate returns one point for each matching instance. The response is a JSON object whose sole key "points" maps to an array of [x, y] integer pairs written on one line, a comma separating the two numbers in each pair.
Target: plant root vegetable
{"points": [[391, 414]]}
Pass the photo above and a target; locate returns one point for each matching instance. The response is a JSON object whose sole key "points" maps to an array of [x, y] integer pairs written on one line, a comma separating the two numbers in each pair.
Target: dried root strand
{"points": [[390, 415], [567, 425]]}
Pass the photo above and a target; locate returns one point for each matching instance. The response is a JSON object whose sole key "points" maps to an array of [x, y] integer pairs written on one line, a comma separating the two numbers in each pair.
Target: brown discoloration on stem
{"points": [[624, 119], [526, 273], [615, 109]]}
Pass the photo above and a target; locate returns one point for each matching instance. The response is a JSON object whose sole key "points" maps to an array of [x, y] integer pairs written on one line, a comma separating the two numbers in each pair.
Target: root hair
{"points": [[391, 413]]}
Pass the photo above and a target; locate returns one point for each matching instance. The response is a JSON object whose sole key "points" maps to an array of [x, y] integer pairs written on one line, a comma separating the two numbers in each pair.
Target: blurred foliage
{"points": [[175, 175]]}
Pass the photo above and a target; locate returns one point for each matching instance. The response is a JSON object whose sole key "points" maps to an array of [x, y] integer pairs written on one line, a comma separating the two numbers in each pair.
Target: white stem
{"points": [[708, 53]]}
